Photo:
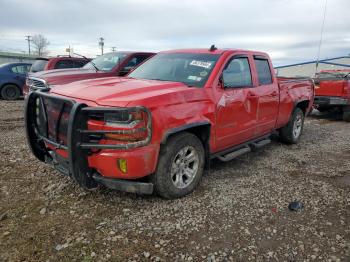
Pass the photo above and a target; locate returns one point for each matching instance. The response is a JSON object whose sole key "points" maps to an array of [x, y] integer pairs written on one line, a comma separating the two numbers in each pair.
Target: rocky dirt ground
{"points": [[239, 213]]}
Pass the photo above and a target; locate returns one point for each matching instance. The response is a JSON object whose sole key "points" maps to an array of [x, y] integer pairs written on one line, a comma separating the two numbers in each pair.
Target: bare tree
{"points": [[40, 44]]}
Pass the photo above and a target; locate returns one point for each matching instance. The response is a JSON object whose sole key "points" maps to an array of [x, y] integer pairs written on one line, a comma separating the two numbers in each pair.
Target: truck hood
{"points": [[117, 91], [64, 76]]}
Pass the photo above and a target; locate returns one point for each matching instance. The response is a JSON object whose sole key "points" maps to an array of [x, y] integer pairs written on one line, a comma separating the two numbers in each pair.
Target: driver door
{"points": [[237, 108]]}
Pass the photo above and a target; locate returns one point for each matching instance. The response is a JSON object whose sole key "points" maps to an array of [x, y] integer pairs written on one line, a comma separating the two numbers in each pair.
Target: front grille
{"points": [[36, 83], [52, 119]]}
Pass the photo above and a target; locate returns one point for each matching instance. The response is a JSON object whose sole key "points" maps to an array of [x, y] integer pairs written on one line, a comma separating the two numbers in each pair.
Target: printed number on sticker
{"points": [[200, 64]]}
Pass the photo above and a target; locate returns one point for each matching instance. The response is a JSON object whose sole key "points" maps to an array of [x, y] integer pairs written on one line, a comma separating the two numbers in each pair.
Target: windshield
{"points": [[38, 65], [190, 69], [105, 62]]}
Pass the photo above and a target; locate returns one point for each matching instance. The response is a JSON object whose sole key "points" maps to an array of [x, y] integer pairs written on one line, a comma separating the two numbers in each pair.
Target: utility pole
{"points": [[101, 44], [113, 48], [28, 38], [321, 36]]}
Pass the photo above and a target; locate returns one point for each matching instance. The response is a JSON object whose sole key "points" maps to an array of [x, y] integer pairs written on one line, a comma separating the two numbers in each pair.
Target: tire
{"points": [[291, 133], [172, 179], [10, 92], [346, 114]]}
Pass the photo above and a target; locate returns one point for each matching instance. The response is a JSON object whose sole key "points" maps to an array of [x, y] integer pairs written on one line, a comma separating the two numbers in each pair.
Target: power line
{"points": [[28, 38], [321, 37]]}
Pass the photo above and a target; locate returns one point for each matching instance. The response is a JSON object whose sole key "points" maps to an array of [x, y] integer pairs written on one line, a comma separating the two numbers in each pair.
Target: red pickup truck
{"points": [[157, 128], [332, 91], [107, 65]]}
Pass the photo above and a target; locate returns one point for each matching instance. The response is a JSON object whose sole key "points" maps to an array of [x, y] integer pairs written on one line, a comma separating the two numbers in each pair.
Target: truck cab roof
{"points": [[216, 51]]}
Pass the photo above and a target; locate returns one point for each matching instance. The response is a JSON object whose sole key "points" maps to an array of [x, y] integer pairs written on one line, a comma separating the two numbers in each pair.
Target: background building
{"points": [[308, 69], [6, 57]]}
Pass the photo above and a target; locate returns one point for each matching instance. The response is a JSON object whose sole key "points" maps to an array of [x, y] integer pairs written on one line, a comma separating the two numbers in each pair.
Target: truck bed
{"points": [[293, 89]]}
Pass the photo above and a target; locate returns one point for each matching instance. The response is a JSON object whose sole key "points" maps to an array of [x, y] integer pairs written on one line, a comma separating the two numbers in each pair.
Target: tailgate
{"points": [[330, 88]]}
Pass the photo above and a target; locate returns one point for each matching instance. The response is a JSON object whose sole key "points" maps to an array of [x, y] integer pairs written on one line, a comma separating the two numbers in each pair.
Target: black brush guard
{"points": [[78, 142]]}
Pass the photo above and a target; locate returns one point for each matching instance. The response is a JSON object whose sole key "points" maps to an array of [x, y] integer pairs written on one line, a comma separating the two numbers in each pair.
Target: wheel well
{"points": [[201, 131], [303, 105]]}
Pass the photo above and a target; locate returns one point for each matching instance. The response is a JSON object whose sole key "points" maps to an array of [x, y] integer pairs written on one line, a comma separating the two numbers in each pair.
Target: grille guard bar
{"points": [[78, 144]]}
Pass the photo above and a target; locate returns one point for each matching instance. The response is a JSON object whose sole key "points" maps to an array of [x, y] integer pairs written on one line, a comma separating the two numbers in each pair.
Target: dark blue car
{"points": [[12, 79]]}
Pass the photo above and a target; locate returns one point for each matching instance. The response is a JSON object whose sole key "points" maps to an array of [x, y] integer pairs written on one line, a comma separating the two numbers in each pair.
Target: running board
{"points": [[260, 143], [234, 154], [252, 146]]}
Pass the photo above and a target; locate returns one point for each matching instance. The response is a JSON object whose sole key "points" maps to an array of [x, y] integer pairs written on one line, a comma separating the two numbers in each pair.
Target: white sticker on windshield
{"points": [[200, 64], [194, 78]]}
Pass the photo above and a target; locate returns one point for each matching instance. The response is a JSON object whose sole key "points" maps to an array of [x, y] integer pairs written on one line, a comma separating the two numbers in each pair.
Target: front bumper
{"points": [[88, 162], [124, 185], [330, 101]]}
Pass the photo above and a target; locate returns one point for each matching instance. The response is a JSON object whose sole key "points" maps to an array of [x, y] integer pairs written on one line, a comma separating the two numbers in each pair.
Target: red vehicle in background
{"points": [[332, 91], [107, 65], [157, 128], [59, 62]]}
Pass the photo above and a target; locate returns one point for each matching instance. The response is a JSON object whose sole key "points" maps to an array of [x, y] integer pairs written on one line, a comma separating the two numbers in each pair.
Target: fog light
{"points": [[122, 165]]}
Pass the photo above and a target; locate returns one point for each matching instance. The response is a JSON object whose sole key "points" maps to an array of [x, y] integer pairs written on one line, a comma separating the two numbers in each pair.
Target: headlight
{"points": [[132, 125]]}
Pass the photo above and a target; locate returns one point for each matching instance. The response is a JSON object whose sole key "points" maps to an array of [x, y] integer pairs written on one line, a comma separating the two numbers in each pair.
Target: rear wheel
{"points": [[291, 133], [346, 114], [180, 166], [10, 92]]}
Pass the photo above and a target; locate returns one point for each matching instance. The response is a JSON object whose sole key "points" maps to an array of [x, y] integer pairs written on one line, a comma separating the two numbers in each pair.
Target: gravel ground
{"points": [[239, 213]]}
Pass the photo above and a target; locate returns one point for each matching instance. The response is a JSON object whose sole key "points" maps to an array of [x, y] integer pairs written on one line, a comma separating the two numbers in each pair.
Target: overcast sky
{"points": [[289, 30]]}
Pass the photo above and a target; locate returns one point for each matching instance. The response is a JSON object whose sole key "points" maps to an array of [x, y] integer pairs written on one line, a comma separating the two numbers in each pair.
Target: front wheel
{"points": [[180, 166], [291, 133]]}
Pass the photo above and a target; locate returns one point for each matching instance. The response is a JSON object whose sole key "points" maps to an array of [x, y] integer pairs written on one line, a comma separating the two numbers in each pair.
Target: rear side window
{"points": [[62, 64], [263, 70], [14, 69], [80, 63], [20, 69], [237, 73], [38, 65]]}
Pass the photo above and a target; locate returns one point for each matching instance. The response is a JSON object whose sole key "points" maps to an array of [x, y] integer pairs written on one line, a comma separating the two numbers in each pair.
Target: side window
{"points": [[237, 73], [14, 69], [21, 69], [62, 64], [133, 62], [80, 63], [263, 70]]}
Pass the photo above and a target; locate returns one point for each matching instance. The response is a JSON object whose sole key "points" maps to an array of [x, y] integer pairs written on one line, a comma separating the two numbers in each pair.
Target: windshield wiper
{"points": [[157, 79], [90, 61]]}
